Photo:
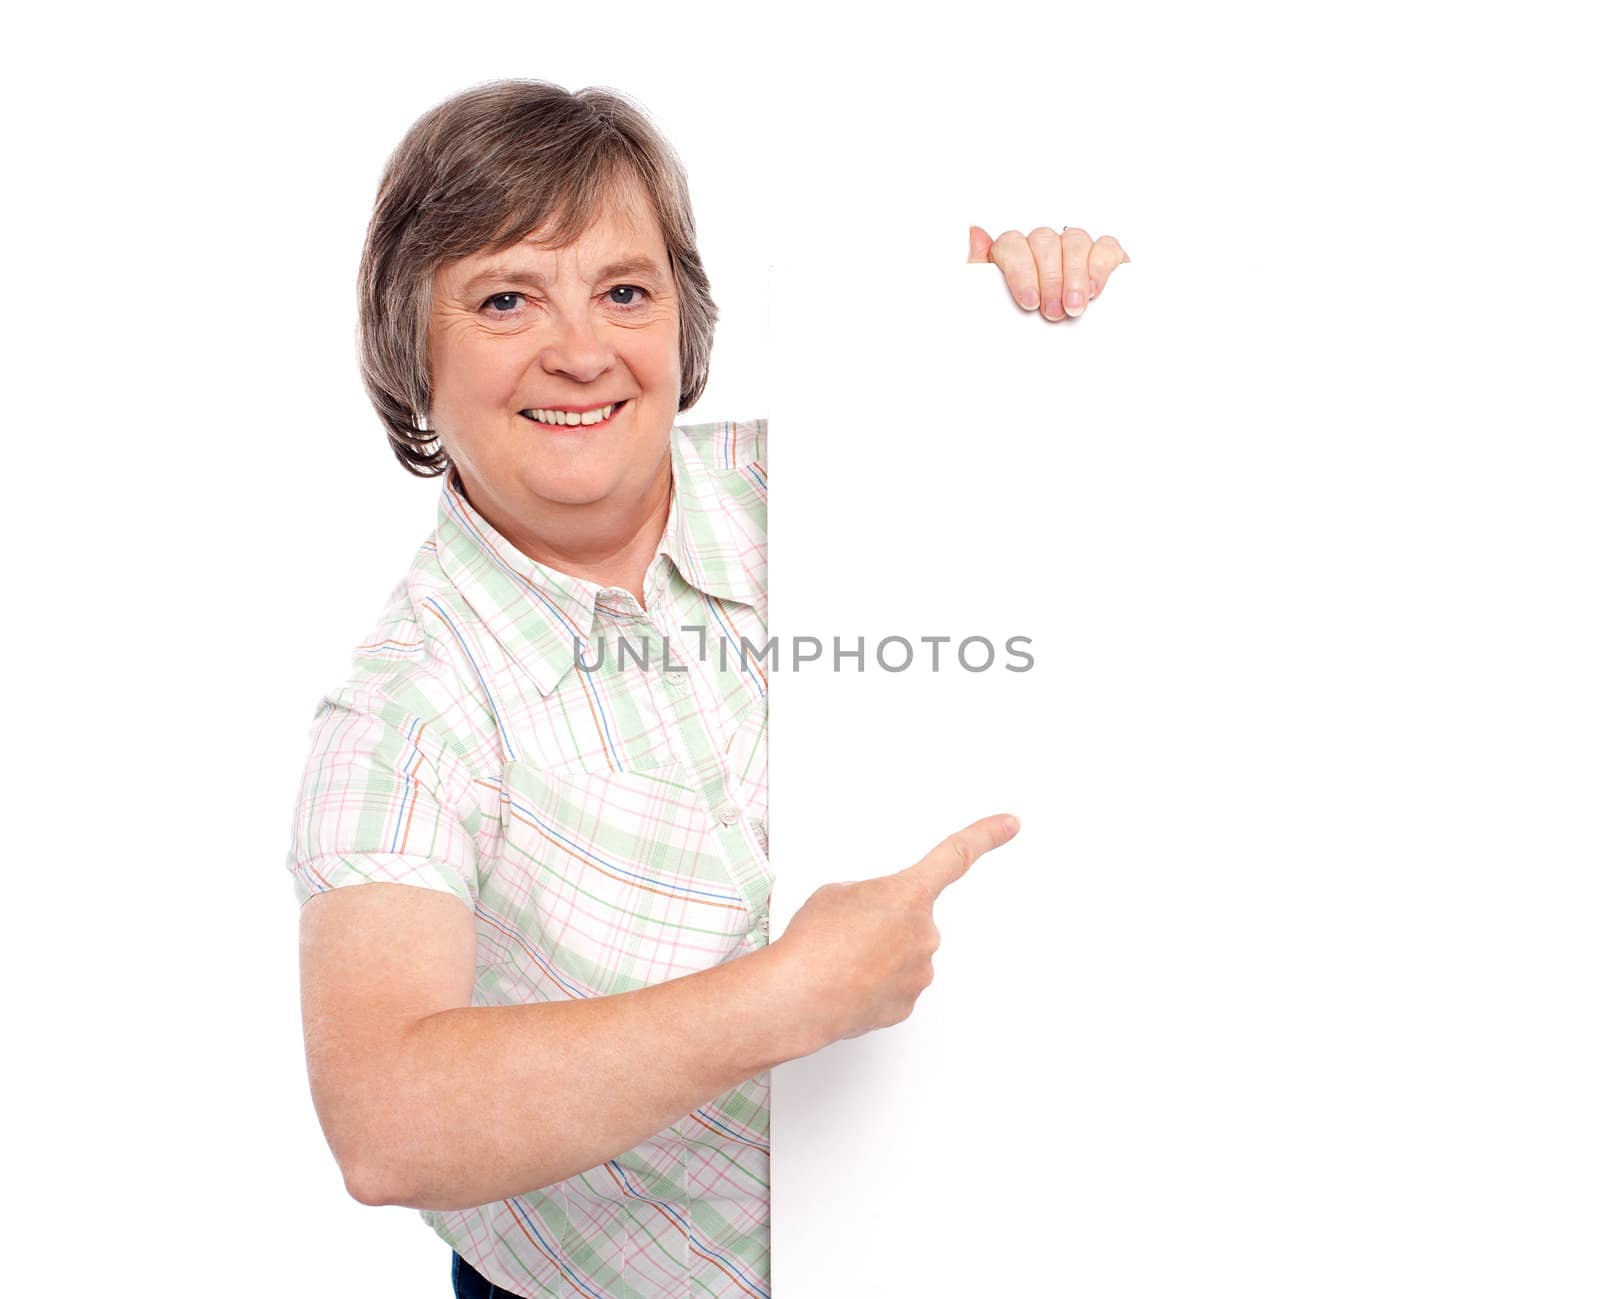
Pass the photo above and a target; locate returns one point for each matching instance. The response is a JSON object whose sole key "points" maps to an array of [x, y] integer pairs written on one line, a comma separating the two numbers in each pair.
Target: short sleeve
{"points": [[378, 802]]}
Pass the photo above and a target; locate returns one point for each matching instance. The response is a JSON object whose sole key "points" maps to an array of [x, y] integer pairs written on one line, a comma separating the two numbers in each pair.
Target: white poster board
{"points": [[1286, 986]]}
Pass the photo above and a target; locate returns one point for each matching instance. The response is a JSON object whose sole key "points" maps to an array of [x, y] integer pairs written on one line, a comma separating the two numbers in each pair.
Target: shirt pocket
{"points": [[609, 881]]}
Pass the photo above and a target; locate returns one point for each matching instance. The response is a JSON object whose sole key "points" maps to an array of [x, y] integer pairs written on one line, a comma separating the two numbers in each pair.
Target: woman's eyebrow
{"points": [[502, 273]]}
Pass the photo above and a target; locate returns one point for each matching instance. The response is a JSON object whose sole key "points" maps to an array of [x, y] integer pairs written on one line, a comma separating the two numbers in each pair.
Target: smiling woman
{"points": [[517, 339], [474, 178], [539, 999], [546, 1015]]}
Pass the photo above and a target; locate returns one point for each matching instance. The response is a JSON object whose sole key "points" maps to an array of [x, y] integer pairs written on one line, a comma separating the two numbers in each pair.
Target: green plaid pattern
{"points": [[606, 824]]}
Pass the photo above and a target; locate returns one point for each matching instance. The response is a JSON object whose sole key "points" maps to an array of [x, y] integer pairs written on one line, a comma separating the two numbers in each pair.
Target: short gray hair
{"points": [[482, 170]]}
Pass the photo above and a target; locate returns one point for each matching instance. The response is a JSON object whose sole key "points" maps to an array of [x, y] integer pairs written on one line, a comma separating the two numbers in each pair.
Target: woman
{"points": [[548, 1023]]}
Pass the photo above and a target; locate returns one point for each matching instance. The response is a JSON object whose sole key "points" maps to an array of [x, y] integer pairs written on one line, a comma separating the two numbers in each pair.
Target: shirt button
{"points": [[764, 924], [728, 814], [674, 680]]}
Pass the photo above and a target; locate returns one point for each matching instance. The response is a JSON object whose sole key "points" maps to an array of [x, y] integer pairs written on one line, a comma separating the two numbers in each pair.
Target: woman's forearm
{"points": [[484, 1102]]}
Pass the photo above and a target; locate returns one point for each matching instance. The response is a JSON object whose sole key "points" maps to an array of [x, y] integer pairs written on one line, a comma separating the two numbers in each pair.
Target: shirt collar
{"points": [[703, 537], [535, 611]]}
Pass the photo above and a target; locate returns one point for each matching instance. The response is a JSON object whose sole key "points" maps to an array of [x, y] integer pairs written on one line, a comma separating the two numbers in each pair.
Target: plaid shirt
{"points": [[607, 827]]}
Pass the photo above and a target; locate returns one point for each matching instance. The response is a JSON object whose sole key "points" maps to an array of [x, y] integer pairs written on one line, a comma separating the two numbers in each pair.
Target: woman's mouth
{"points": [[565, 419]]}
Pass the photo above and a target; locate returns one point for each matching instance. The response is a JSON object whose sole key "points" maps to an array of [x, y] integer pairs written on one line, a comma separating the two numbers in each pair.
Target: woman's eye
{"points": [[634, 289], [502, 303]]}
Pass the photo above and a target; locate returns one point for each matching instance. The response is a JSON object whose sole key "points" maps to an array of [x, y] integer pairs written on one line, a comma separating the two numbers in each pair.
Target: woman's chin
{"points": [[572, 489]]}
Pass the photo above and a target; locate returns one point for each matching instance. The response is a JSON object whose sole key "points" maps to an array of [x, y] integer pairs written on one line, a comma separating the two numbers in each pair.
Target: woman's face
{"points": [[518, 334]]}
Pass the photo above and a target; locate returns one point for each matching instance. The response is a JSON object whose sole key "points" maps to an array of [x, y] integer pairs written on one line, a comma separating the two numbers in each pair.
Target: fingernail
{"points": [[1052, 309], [1075, 302], [1012, 825], [1030, 299]]}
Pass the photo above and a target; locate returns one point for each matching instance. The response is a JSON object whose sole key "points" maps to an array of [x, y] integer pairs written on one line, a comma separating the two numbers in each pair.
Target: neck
{"points": [[609, 545]]}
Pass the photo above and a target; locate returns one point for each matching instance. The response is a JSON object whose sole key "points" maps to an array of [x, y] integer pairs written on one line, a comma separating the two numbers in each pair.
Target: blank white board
{"points": [[1286, 985]]}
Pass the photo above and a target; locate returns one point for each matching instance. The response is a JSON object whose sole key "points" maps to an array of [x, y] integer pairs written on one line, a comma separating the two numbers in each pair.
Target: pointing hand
{"points": [[861, 952]]}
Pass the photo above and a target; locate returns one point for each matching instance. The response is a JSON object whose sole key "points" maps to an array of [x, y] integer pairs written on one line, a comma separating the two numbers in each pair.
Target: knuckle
{"points": [[1041, 233], [1074, 232], [1010, 241], [917, 895], [830, 895], [962, 850]]}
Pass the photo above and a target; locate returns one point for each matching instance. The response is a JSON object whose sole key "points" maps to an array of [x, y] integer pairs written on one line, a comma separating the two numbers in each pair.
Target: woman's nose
{"points": [[576, 348]]}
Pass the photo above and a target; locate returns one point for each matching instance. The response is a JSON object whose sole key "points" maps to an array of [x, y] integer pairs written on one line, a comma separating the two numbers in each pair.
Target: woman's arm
{"points": [[431, 1102]]}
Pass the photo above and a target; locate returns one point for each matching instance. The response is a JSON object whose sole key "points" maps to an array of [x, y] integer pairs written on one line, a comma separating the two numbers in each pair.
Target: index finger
{"points": [[951, 859]]}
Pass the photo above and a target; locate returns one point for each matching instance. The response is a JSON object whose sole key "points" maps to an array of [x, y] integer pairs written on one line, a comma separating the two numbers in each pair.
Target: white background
{"points": [[1286, 986]]}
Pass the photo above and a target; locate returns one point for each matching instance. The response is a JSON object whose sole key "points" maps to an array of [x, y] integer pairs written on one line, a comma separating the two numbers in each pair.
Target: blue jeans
{"points": [[469, 1283]]}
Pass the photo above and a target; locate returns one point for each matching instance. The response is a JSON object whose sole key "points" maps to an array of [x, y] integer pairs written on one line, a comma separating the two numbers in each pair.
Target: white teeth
{"points": [[572, 417]]}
